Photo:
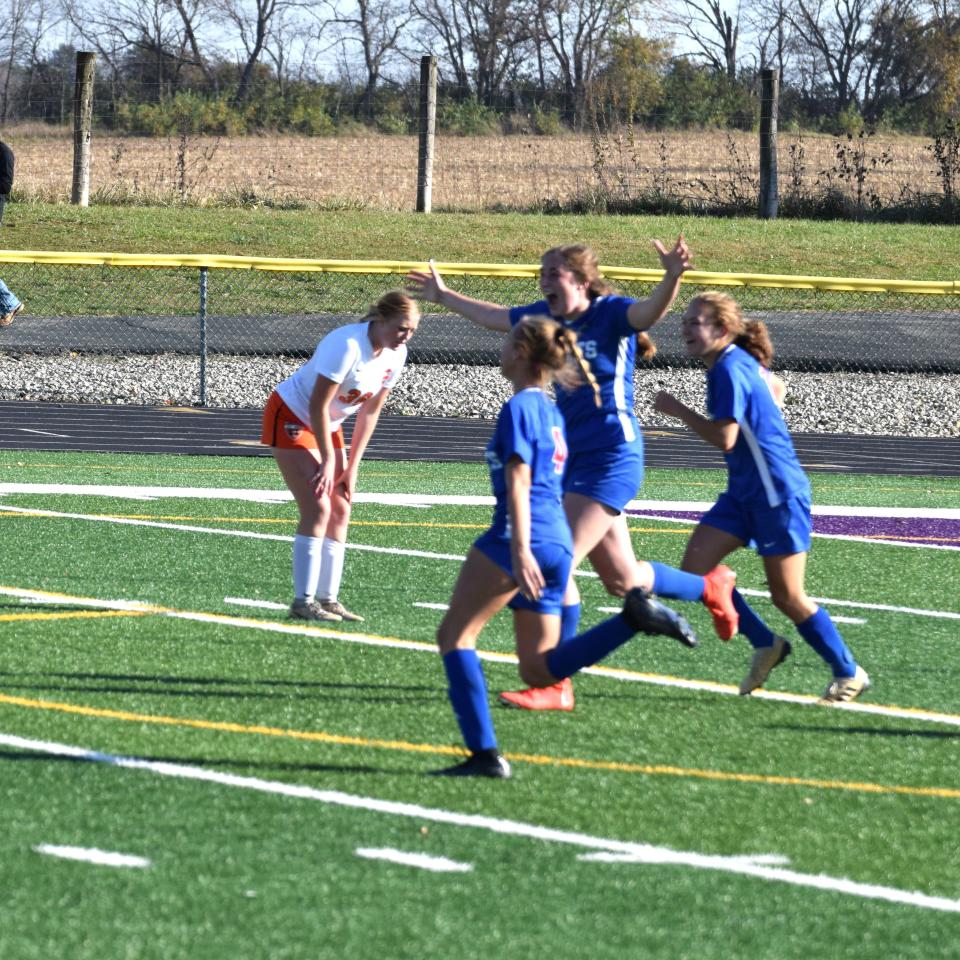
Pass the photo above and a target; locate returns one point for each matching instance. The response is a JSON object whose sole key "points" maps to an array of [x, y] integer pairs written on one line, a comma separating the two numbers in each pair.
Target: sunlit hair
{"points": [[392, 306], [582, 262], [553, 349], [750, 335]]}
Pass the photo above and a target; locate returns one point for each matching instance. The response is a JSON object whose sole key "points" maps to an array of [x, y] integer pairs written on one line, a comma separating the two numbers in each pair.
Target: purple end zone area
{"points": [[919, 531]]}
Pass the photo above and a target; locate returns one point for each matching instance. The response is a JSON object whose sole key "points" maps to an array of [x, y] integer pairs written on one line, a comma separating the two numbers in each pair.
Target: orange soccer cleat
{"points": [[718, 587], [557, 697]]}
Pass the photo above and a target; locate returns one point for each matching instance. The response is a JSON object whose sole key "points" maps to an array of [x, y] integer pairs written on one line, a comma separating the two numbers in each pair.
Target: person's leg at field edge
{"points": [[482, 589], [10, 305], [602, 535], [590, 521], [707, 547], [785, 576], [298, 467]]}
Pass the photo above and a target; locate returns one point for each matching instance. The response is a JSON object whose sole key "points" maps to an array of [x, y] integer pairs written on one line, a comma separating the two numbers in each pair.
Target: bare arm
{"points": [[719, 433], [367, 417], [526, 570], [429, 286], [643, 314], [324, 391]]}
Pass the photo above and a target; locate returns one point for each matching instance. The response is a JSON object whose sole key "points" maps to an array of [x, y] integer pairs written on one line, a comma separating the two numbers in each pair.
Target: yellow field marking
{"points": [[425, 524], [658, 770], [69, 615], [397, 643]]}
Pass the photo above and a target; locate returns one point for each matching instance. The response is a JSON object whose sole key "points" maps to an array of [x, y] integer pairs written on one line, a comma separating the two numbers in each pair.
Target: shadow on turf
{"points": [[109, 683], [221, 764], [871, 732]]}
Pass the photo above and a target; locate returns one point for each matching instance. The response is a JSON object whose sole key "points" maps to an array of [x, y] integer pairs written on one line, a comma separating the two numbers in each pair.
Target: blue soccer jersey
{"points": [[530, 427], [609, 346], [763, 465]]}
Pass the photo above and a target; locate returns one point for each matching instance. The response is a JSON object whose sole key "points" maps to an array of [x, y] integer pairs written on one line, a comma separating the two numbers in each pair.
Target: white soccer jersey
{"points": [[346, 357]]}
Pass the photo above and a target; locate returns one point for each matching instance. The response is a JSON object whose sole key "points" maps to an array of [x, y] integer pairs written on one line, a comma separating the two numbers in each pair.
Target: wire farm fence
{"points": [[222, 331]]}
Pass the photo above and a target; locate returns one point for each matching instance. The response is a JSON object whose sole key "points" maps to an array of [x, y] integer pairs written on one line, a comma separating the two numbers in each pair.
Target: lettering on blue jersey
{"points": [[589, 348]]}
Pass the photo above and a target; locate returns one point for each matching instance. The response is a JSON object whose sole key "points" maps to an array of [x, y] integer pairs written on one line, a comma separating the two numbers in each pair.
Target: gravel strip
{"points": [[892, 404]]}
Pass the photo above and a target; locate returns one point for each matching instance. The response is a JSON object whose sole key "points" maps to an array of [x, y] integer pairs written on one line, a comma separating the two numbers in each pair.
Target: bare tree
{"points": [[15, 30], [770, 30], [577, 33], [252, 23], [836, 33], [146, 35], [482, 39], [713, 27], [191, 13], [897, 68], [376, 28]]}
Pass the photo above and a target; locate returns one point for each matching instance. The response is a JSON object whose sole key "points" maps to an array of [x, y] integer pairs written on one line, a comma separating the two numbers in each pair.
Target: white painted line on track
{"points": [[135, 492], [629, 676], [43, 433], [420, 860], [424, 554], [104, 858], [261, 604], [638, 851], [861, 605]]}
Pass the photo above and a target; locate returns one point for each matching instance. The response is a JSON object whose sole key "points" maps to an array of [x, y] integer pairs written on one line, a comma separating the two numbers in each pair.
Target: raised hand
{"points": [[427, 286], [677, 260]]}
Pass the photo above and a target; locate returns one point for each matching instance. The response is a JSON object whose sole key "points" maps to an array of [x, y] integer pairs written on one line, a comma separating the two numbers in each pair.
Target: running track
{"points": [[194, 430]]}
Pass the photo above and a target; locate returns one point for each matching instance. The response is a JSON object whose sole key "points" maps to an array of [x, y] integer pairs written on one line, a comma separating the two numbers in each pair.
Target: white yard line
{"points": [[419, 860], [135, 492], [424, 554], [629, 676], [104, 858], [637, 852], [261, 604]]}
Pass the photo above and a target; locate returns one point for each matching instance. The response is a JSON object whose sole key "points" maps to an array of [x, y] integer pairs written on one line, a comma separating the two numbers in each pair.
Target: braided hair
{"points": [[553, 349]]}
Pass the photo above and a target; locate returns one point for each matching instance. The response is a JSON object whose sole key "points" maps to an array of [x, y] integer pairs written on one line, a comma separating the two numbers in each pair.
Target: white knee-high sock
{"points": [[307, 560], [331, 570]]}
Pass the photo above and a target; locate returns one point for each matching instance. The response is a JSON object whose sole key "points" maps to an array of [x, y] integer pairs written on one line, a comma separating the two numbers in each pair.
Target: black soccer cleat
{"points": [[648, 615], [483, 763]]}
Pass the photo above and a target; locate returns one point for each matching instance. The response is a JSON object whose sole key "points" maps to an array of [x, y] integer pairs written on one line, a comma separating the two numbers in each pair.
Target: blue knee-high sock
{"points": [[676, 584], [822, 635], [468, 697], [755, 630], [569, 621], [589, 647]]}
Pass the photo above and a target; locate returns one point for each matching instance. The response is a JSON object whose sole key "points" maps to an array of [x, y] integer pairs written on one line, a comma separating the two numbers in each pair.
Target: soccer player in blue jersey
{"points": [[605, 468], [767, 501], [523, 560]]}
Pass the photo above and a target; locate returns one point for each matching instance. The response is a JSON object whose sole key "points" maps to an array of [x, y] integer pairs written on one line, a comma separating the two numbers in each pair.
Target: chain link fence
{"points": [[221, 331]]}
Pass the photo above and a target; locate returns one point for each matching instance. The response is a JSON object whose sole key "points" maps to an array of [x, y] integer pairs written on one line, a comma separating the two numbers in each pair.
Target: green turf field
{"points": [[278, 803]]}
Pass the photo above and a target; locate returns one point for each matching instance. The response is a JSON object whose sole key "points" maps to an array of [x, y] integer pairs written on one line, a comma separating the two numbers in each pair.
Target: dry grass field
{"points": [[475, 173]]}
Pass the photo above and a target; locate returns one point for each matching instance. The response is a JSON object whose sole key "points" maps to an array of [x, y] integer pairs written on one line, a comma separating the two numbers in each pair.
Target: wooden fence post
{"points": [[769, 101], [428, 122], [82, 123]]}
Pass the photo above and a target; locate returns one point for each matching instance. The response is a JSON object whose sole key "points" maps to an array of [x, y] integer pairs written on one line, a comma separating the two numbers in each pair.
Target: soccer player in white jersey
{"points": [[767, 501], [351, 372]]}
